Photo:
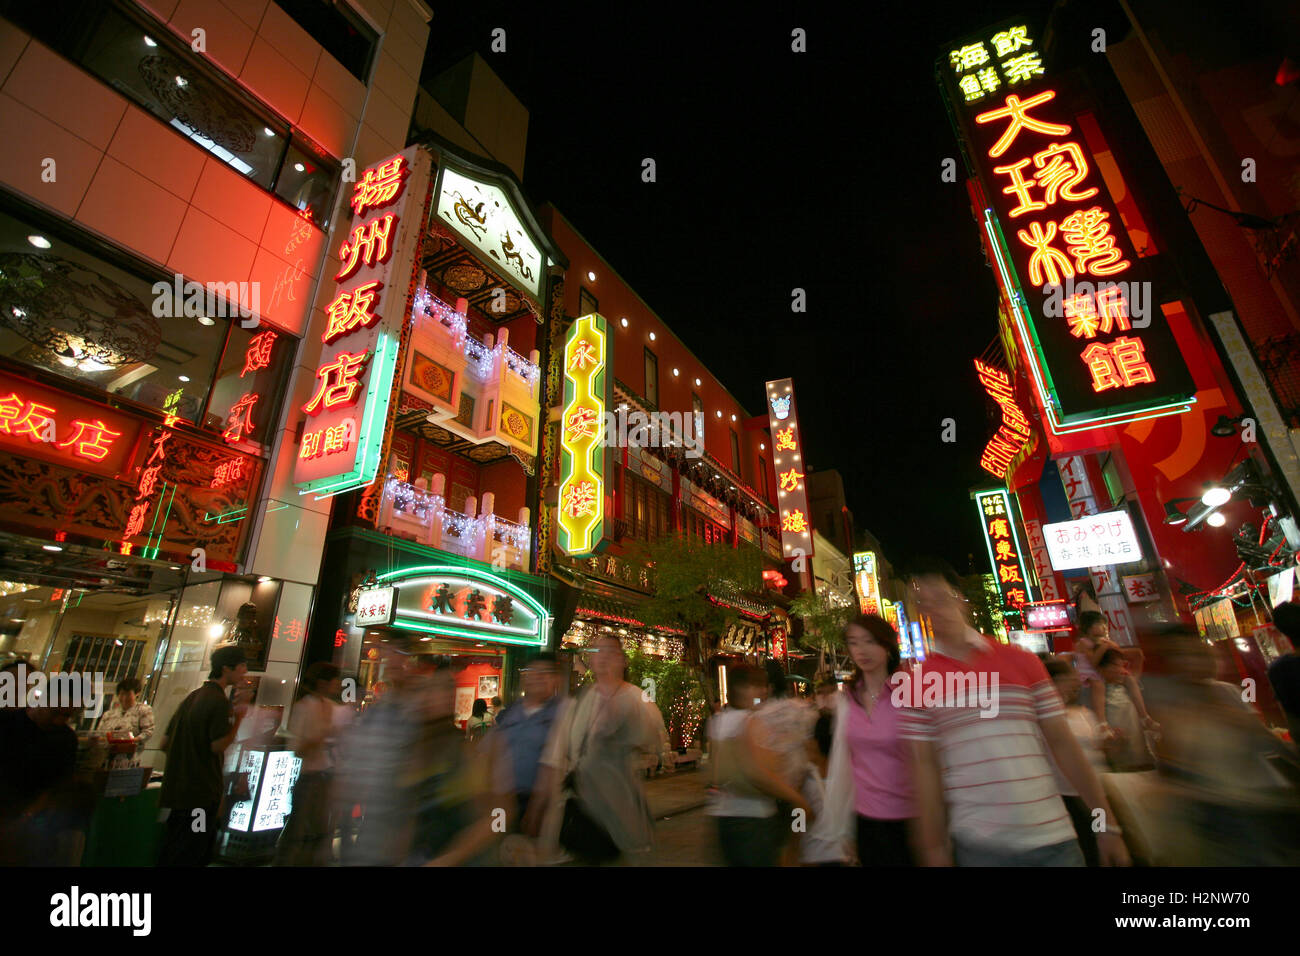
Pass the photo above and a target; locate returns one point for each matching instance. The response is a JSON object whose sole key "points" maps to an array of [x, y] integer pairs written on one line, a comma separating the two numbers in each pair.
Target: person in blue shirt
{"points": [[520, 738]]}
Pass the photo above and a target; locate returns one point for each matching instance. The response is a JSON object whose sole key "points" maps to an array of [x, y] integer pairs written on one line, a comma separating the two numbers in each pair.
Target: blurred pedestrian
{"points": [[523, 731], [480, 720], [1093, 641], [1125, 739], [40, 755], [605, 814], [884, 803], [307, 837], [204, 725], [992, 713], [1087, 731], [1284, 673], [749, 777]]}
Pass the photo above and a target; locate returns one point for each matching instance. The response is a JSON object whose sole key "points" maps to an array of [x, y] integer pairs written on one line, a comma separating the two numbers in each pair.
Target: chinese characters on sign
{"points": [[1014, 431], [347, 407], [867, 581], [1102, 349], [1003, 545], [149, 479], [1047, 616], [587, 380], [48, 424], [1092, 541], [375, 607], [793, 514], [1140, 588]]}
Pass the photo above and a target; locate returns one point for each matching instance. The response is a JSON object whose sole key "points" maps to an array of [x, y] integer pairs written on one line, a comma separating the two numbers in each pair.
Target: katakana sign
{"points": [[347, 407], [1102, 350]]}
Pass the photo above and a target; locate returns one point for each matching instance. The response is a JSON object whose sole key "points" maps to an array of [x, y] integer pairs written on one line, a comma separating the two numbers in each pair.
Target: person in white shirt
{"points": [[1087, 731], [306, 840], [128, 715]]}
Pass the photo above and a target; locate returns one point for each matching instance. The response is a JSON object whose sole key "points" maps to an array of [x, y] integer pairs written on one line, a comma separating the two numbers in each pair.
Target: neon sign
{"points": [[348, 405], [1005, 553], [793, 514], [466, 603], [1068, 268], [1014, 432], [868, 583], [581, 521]]}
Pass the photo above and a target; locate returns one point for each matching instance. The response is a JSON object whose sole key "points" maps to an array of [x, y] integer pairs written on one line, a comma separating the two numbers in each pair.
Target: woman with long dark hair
{"points": [[867, 751]]}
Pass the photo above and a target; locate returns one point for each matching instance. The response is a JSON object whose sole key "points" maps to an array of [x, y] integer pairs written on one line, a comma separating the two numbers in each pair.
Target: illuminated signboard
{"points": [[1005, 553], [787, 449], [348, 405], [868, 583], [275, 799], [1102, 348], [375, 607], [588, 380], [42, 422], [1142, 589], [483, 215], [1013, 433], [467, 603], [1092, 541], [1047, 616]]}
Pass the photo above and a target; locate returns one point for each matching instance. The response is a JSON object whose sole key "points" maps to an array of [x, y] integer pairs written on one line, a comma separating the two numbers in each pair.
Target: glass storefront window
{"points": [[246, 396], [69, 312], [148, 66]]}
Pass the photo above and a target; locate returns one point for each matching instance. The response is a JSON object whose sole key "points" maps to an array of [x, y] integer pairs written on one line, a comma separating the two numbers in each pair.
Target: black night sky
{"points": [[778, 170]]}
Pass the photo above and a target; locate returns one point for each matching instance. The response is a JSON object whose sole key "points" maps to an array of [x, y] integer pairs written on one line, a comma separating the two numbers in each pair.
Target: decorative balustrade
{"points": [[420, 513]]}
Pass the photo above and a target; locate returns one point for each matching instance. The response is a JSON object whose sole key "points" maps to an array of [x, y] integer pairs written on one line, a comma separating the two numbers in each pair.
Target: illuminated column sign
{"points": [[1102, 348], [1005, 553], [787, 447], [587, 383], [348, 405], [868, 583], [1014, 432]]}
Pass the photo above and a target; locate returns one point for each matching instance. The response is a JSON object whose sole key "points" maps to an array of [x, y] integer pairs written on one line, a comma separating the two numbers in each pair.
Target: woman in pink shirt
{"points": [[881, 773]]}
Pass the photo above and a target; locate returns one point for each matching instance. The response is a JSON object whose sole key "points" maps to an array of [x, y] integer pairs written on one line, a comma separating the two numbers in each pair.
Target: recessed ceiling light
{"points": [[181, 81], [762, 446], [52, 547], [183, 378], [719, 413], [652, 336], [150, 41], [300, 167], [591, 276], [675, 373], [697, 383], [204, 320], [268, 131], [40, 242], [264, 579], [623, 321], [733, 418]]}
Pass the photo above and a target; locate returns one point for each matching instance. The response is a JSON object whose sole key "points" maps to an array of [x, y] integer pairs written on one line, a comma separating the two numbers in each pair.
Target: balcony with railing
{"points": [[419, 513], [480, 390]]}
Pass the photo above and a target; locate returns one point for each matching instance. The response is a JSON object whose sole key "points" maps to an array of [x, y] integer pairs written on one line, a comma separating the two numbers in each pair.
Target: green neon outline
{"points": [[1040, 367], [543, 616], [371, 440], [988, 541]]}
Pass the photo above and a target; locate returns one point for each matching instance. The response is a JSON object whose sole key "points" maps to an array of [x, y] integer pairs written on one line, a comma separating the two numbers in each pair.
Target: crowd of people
{"points": [[982, 754]]}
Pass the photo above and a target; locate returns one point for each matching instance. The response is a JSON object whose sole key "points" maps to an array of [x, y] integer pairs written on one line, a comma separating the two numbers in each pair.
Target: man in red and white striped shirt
{"points": [[985, 789]]}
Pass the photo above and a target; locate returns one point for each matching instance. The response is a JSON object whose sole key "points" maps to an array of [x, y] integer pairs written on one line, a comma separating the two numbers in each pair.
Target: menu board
{"points": [[276, 799], [250, 762]]}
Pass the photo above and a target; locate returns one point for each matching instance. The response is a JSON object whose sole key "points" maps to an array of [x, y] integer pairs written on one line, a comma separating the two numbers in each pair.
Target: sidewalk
{"points": [[676, 793]]}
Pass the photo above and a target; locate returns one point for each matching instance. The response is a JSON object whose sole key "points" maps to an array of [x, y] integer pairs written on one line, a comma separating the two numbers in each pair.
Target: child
{"points": [[1128, 748], [1087, 731]]}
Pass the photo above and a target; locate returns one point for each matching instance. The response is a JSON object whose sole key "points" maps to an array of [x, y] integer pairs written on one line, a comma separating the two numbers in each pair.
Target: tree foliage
{"points": [[677, 691], [823, 624]]}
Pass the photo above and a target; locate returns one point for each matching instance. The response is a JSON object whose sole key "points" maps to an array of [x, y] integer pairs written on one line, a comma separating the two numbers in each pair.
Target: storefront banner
{"points": [[375, 607], [347, 412], [466, 603]]}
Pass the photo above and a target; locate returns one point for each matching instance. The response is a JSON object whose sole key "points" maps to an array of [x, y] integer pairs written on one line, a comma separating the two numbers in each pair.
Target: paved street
{"points": [[684, 835]]}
